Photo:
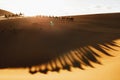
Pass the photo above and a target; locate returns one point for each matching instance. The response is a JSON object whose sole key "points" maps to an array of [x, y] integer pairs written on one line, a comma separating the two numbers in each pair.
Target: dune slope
{"points": [[3, 12], [27, 42]]}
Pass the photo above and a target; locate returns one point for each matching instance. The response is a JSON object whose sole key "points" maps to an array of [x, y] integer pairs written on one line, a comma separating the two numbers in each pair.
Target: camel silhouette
{"points": [[63, 46]]}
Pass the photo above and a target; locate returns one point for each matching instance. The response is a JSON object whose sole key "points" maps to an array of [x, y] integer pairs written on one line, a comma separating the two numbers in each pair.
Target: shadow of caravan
{"points": [[33, 43]]}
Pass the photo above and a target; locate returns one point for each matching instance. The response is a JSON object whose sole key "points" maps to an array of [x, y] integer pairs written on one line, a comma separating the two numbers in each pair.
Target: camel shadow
{"points": [[68, 46]]}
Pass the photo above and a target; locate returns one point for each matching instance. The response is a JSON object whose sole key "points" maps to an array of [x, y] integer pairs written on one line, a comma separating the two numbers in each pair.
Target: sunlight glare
{"points": [[60, 7]]}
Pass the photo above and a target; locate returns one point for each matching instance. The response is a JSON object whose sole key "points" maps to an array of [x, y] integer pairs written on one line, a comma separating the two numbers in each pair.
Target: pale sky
{"points": [[60, 7]]}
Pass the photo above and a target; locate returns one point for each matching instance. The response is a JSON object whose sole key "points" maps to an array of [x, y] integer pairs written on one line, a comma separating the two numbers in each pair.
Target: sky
{"points": [[60, 7]]}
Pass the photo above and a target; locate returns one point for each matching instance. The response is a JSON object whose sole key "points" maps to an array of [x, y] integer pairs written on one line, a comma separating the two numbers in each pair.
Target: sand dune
{"points": [[34, 41], [3, 12]]}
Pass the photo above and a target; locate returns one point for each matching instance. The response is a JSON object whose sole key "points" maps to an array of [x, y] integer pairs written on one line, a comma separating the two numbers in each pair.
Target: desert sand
{"points": [[33, 41], [3, 12]]}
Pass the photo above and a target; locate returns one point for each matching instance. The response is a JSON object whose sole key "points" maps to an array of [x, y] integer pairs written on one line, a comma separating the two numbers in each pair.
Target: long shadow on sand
{"points": [[60, 46]]}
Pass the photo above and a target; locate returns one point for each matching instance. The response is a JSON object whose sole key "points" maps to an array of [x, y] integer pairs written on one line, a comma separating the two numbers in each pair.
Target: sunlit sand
{"points": [[108, 71], [46, 30]]}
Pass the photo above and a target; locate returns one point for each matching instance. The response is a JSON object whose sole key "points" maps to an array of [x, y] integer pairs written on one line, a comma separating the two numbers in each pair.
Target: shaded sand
{"points": [[110, 70], [33, 41]]}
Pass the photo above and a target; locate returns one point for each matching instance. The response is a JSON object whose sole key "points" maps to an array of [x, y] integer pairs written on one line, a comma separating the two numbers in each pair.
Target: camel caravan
{"points": [[65, 18], [68, 18], [61, 18], [13, 15]]}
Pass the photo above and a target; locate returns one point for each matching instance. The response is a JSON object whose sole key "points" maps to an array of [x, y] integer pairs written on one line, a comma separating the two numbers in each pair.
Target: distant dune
{"points": [[3, 12], [108, 19], [30, 41]]}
